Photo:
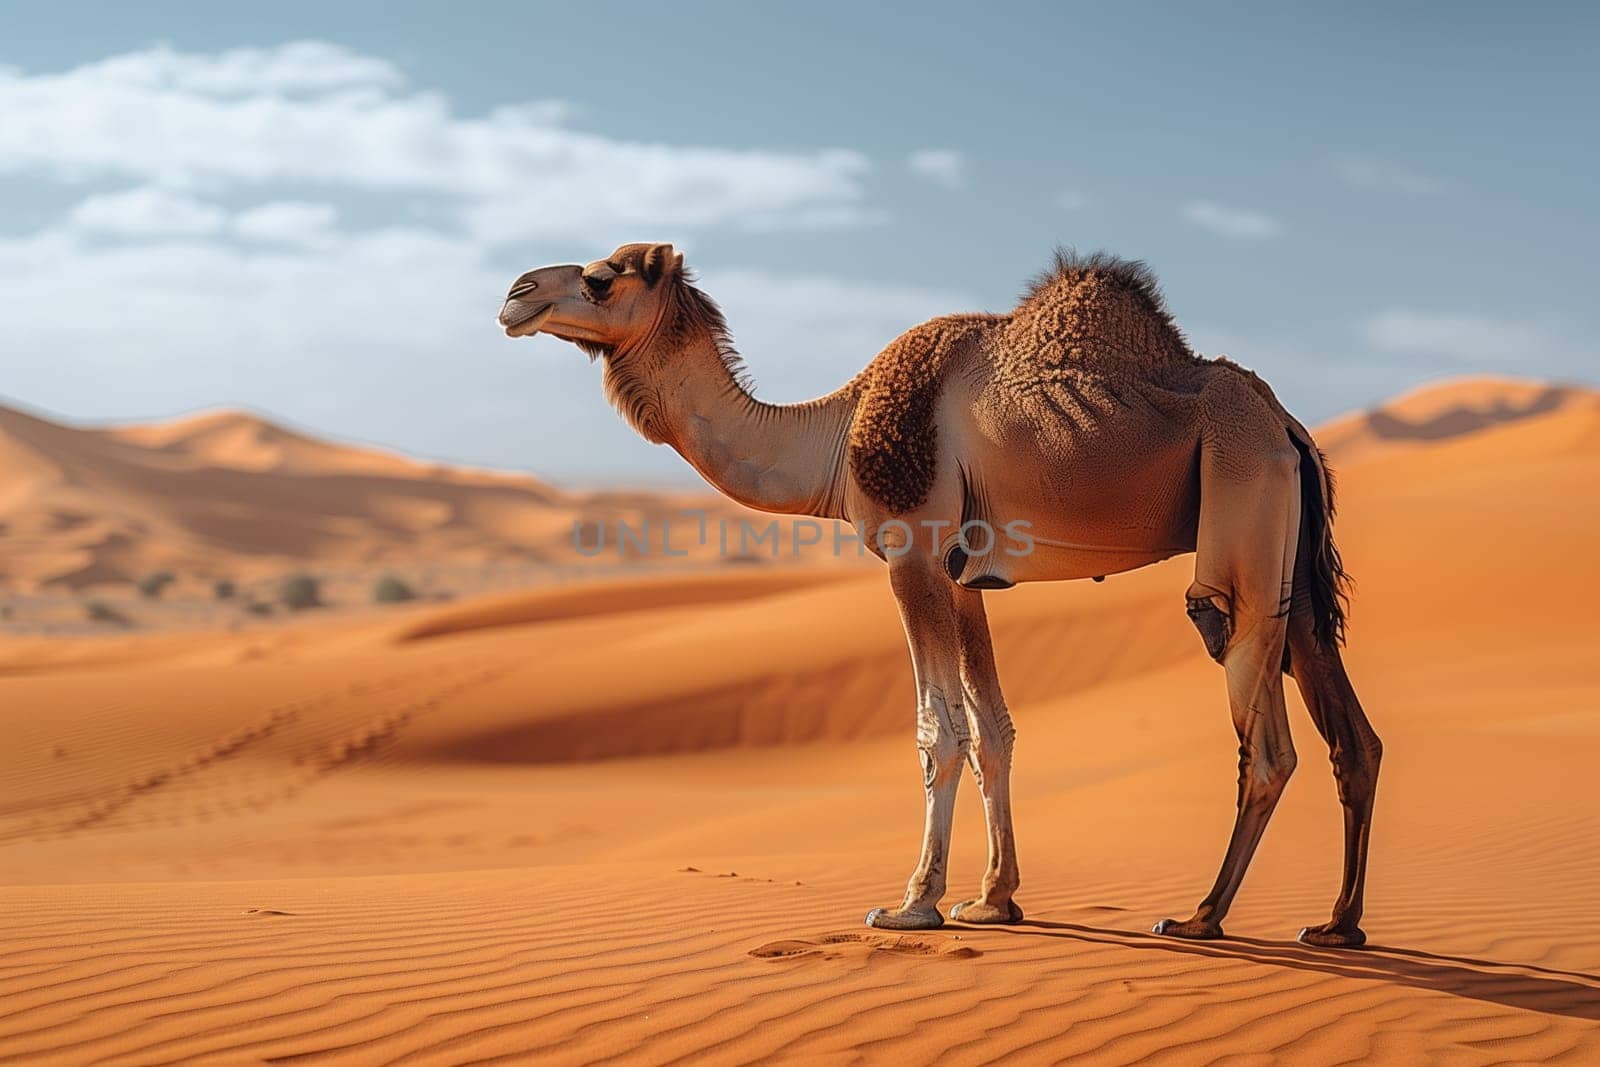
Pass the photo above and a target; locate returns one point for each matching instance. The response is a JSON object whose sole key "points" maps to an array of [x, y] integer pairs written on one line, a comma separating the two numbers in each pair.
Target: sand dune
{"points": [[642, 818], [1453, 409], [229, 494]]}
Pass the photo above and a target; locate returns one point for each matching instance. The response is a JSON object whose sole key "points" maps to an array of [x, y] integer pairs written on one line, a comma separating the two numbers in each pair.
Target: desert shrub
{"points": [[391, 589], [100, 611], [298, 592], [152, 584], [224, 589]]}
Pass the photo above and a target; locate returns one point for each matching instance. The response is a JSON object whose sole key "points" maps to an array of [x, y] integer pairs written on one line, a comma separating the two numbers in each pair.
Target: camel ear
{"points": [[659, 262]]}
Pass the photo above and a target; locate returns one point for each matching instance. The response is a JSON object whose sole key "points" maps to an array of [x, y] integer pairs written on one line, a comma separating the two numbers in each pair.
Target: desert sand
{"points": [[642, 818]]}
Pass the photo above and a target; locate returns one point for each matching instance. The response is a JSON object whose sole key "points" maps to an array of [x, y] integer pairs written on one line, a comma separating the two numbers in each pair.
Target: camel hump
{"points": [[1095, 309]]}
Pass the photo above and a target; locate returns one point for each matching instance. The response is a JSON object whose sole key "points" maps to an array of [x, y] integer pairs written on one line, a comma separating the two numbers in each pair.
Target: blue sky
{"points": [[313, 209]]}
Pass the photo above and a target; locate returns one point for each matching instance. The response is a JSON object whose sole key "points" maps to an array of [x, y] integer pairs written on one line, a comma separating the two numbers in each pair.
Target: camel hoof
{"points": [[1329, 936], [903, 919], [1193, 930], [976, 911]]}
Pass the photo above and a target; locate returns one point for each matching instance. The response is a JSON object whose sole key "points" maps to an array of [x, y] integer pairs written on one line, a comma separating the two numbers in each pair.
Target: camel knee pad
{"points": [[1214, 625]]}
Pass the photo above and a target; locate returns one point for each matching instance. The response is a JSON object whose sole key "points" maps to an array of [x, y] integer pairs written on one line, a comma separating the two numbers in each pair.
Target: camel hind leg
{"points": [[1244, 567], [1355, 751]]}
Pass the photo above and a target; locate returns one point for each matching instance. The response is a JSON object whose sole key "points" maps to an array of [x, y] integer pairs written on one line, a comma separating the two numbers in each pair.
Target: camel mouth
{"points": [[524, 320]]}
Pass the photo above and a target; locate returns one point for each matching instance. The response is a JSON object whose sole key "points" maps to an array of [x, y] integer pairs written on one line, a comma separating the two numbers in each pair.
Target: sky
{"points": [[313, 210]]}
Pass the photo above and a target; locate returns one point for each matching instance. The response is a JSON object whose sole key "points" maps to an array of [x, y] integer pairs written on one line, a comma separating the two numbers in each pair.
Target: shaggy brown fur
{"points": [[893, 441], [1094, 311], [1086, 317], [1095, 328]]}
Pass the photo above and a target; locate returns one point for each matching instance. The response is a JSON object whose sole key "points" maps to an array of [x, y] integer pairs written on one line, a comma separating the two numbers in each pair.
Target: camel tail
{"points": [[1322, 575]]}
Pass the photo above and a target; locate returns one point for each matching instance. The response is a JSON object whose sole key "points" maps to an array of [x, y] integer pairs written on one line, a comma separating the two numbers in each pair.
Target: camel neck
{"points": [[784, 458]]}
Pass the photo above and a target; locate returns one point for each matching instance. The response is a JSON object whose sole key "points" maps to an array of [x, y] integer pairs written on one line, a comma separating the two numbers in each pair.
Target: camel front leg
{"points": [[993, 738], [924, 595]]}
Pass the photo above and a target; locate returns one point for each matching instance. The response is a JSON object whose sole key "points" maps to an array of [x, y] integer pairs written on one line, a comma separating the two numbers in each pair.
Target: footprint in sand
{"points": [[266, 911], [863, 946]]}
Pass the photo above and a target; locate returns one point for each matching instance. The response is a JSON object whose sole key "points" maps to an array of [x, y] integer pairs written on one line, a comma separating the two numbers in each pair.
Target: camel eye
{"points": [[595, 288]]}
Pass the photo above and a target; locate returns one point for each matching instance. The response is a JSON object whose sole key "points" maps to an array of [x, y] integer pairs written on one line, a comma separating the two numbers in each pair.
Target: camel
{"points": [[1082, 423]]}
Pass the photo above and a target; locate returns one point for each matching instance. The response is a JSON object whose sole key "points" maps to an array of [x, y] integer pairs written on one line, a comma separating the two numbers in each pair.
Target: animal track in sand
{"points": [[314, 736], [734, 874], [863, 946], [85, 813]]}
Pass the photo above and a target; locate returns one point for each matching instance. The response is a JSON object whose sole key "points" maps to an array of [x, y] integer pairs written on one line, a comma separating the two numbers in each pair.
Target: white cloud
{"points": [[213, 233], [1231, 222], [1462, 336], [311, 113], [577, 184], [302, 66], [944, 166], [1071, 200], [294, 222], [178, 297], [385, 335], [1366, 172], [147, 211], [154, 212]]}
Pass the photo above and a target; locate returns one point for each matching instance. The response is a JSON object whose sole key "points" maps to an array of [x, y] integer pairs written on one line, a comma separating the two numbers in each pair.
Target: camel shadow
{"points": [[1524, 986]]}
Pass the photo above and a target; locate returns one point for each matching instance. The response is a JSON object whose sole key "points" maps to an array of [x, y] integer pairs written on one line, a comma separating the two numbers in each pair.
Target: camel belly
{"points": [[1062, 561], [1063, 524], [1072, 490]]}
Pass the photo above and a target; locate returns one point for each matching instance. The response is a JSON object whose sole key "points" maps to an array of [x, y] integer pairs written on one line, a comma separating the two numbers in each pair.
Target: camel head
{"points": [[611, 304]]}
